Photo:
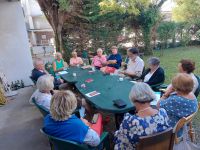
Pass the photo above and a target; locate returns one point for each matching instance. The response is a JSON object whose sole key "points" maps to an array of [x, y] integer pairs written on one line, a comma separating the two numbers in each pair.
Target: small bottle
{"points": [[12, 86], [22, 84], [18, 85]]}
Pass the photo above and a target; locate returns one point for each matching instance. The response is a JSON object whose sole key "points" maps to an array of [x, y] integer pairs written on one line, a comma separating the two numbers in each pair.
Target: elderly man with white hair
{"points": [[99, 60], [43, 93], [38, 70]]}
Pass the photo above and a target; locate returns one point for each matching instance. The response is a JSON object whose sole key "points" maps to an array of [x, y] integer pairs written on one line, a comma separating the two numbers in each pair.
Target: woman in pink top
{"points": [[75, 60], [99, 60]]}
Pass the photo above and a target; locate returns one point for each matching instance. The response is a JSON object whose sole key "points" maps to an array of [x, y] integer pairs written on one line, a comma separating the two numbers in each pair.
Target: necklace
{"points": [[144, 109]]}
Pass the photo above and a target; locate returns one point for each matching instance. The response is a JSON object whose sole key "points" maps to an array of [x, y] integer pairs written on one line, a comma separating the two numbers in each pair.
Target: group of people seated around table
{"points": [[178, 101]]}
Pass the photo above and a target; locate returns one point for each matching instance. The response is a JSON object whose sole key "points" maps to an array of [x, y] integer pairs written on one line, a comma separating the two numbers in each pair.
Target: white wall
{"points": [[15, 56]]}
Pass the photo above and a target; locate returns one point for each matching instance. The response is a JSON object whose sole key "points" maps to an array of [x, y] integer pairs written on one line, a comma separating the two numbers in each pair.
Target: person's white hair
{"points": [[63, 104], [45, 83], [37, 62], [99, 50], [142, 93]]}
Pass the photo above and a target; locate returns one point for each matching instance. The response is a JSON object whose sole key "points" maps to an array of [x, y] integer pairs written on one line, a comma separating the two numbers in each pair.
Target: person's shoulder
{"points": [[48, 118], [138, 59], [162, 111]]}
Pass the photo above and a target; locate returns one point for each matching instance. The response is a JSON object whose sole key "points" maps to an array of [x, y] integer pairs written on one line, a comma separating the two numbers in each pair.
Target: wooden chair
{"points": [[60, 144], [181, 123], [159, 141]]}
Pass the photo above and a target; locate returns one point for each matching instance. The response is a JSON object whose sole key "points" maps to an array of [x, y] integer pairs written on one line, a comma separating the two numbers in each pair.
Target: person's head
{"points": [[45, 83], [133, 53], [58, 56], [99, 52], [38, 64], [74, 54], [183, 83], [153, 63], [63, 104], [141, 94], [114, 50], [186, 66]]}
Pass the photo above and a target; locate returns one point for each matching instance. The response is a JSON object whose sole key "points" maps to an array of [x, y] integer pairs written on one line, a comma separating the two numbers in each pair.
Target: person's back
{"points": [[134, 126], [61, 123], [178, 107], [36, 74], [72, 129]]}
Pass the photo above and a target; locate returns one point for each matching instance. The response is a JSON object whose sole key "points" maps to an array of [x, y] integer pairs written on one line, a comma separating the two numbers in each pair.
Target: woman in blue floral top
{"points": [[182, 103], [146, 121]]}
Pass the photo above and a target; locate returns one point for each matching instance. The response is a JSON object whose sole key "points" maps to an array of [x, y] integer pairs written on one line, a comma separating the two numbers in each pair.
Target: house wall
{"points": [[15, 55]]}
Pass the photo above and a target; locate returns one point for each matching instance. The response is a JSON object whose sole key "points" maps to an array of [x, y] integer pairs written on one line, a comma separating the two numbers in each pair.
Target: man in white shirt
{"points": [[135, 64]]}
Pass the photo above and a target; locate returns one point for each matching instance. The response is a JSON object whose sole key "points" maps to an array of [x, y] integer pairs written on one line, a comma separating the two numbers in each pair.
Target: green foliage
{"points": [[166, 31], [64, 5], [187, 11], [124, 6]]}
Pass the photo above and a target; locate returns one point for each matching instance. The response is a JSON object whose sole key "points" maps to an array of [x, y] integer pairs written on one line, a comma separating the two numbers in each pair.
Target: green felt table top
{"points": [[109, 87]]}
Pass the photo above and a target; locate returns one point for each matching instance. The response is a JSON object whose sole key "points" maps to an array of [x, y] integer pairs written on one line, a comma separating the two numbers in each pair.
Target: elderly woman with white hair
{"points": [[43, 93], [154, 74], [146, 121], [99, 60], [75, 60], [61, 123], [59, 64]]}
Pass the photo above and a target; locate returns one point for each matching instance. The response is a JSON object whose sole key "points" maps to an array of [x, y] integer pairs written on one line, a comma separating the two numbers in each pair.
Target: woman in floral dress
{"points": [[146, 121]]}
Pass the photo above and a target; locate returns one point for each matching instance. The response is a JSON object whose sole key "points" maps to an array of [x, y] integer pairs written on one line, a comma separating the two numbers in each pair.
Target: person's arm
{"points": [[54, 68], [168, 91], [92, 138], [80, 61]]}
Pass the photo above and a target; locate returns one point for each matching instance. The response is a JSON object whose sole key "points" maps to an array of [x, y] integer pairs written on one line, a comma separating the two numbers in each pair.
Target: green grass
{"points": [[171, 57]]}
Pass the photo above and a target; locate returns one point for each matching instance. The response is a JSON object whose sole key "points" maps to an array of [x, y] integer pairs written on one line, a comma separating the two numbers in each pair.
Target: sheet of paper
{"points": [[92, 94], [133, 82], [155, 101], [62, 72]]}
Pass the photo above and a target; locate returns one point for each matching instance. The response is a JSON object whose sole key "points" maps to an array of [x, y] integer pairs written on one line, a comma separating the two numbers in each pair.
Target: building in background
{"points": [[166, 10], [15, 61], [40, 33]]}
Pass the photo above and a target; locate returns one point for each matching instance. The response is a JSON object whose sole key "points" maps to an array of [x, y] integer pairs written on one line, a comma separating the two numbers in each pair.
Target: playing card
{"points": [[89, 80], [93, 93]]}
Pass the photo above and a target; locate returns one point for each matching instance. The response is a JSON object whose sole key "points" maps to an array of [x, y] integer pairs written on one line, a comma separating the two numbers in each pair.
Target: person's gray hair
{"points": [[99, 49], [154, 61], [63, 104], [37, 62], [142, 93], [45, 83]]}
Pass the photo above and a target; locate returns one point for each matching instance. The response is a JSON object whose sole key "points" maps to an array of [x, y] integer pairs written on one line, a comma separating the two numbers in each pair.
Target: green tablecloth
{"points": [[109, 87]]}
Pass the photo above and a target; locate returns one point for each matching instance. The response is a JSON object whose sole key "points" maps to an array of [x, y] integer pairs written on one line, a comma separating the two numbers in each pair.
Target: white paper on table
{"points": [[93, 93], [133, 82], [62, 72], [155, 101]]}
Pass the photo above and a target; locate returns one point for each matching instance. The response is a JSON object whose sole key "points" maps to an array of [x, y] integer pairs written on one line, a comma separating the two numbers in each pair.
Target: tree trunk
{"points": [[147, 42]]}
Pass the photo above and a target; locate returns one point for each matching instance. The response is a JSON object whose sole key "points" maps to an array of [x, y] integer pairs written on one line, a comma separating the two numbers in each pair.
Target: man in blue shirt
{"points": [[115, 59]]}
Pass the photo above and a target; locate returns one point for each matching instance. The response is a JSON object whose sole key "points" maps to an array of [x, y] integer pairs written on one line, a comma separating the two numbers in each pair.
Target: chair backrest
{"points": [[196, 93], [42, 109], [60, 144], [159, 141], [182, 122]]}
